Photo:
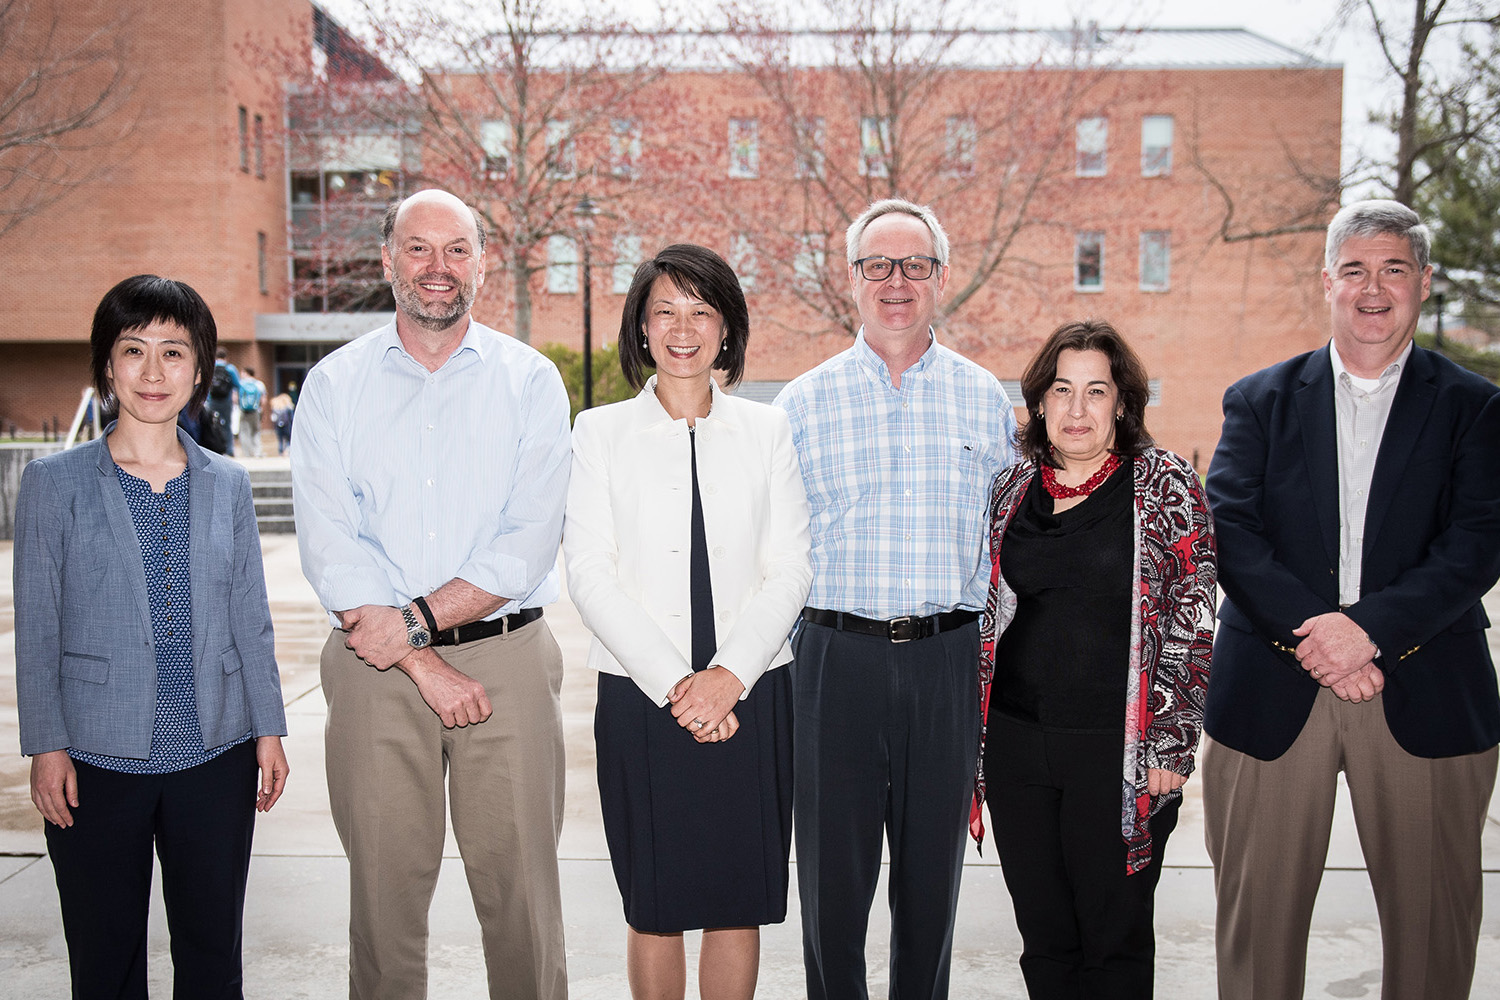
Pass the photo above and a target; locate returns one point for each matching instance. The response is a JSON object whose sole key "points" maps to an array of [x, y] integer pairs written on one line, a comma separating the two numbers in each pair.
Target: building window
{"points": [[624, 146], [874, 146], [562, 265], [1156, 260], [962, 137], [260, 147], [561, 158], [260, 263], [1156, 145], [743, 259], [244, 139], [809, 152], [1093, 142], [744, 147], [494, 145], [1088, 262], [627, 259], [808, 263]]}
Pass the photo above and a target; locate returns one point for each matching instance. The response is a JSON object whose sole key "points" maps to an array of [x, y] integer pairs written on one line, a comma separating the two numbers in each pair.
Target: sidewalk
{"points": [[296, 915]]}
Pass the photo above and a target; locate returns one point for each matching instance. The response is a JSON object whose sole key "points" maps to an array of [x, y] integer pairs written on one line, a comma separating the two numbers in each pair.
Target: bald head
{"points": [[430, 196]]}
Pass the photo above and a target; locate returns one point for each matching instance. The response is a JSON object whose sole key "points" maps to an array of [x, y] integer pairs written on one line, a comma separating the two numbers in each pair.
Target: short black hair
{"points": [[135, 304], [1125, 368], [698, 271]]}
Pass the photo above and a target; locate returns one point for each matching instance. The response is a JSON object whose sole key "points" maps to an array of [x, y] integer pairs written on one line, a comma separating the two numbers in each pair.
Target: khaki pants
{"points": [[388, 754], [1267, 824]]}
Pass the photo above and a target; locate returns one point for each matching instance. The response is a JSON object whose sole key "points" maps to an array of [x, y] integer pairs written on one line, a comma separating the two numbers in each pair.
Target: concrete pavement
{"points": [[296, 930]]}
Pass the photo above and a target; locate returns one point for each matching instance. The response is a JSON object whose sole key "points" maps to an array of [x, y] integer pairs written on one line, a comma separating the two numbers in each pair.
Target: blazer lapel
{"points": [[201, 484], [1320, 443], [122, 531], [1415, 394]]}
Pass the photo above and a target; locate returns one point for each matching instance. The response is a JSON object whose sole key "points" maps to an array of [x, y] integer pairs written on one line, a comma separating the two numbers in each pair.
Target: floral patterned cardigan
{"points": [[1171, 632]]}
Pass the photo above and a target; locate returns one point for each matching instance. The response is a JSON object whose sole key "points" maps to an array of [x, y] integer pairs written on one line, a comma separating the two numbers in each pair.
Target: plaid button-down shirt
{"points": [[898, 479]]}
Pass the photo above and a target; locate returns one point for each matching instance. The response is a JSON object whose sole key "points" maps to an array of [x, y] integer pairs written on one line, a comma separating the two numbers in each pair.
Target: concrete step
{"points": [[276, 524], [271, 487], [273, 507]]}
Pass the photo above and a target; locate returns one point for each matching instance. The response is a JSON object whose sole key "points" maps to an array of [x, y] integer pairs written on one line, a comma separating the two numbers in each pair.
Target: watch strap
{"points": [[421, 603]]}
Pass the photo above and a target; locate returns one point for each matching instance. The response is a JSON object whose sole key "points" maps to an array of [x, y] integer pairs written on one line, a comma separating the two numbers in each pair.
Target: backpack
{"points": [[212, 434], [221, 384]]}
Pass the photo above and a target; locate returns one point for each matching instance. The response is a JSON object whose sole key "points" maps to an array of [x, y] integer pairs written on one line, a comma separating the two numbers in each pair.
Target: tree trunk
{"points": [[520, 272]]}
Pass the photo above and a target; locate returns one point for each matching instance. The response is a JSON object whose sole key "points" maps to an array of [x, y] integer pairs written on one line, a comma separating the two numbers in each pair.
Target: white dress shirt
{"points": [[404, 479]]}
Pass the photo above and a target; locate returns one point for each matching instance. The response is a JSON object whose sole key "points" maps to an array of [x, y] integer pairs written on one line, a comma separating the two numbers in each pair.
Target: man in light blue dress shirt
{"points": [[899, 439], [430, 470]]}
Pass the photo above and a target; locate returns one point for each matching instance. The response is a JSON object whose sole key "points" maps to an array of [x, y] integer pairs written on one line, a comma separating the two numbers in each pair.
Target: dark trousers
{"points": [[200, 821], [1055, 800], [884, 740]]}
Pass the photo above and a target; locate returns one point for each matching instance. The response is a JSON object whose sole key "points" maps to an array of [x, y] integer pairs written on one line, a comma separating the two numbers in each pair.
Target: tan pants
{"points": [[1267, 824], [387, 756]]}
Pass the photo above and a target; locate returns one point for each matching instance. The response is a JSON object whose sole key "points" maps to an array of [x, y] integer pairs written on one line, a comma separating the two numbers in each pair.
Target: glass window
{"points": [[1088, 262], [562, 265], [624, 146], [742, 258], [260, 147], [1156, 260], [807, 265], [1093, 143], [561, 159], [627, 259], [962, 137], [809, 153], [494, 142], [244, 139], [874, 146], [744, 147], [1156, 145], [260, 263]]}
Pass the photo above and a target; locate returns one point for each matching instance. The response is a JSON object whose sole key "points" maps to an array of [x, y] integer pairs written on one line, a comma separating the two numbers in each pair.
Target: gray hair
{"points": [[1378, 217], [856, 231]]}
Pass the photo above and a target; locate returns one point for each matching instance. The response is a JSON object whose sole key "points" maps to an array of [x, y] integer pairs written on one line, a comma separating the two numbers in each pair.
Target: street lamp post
{"points": [[585, 212], [1440, 288]]}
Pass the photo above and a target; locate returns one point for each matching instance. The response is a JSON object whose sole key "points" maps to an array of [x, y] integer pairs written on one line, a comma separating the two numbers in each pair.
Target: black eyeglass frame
{"points": [[859, 265]]}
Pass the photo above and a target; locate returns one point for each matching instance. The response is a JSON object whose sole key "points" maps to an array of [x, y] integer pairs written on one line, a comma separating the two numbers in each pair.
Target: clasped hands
{"points": [[703, 703], [1339, 655], [377, 635]]}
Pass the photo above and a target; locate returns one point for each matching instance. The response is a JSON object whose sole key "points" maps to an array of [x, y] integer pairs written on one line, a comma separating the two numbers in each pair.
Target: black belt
{"points": [[897, 629], [483, 630]]}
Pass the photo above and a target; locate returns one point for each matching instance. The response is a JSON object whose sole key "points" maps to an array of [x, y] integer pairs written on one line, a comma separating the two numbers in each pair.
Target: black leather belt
{"points": [[897, 629], [483, 630]]}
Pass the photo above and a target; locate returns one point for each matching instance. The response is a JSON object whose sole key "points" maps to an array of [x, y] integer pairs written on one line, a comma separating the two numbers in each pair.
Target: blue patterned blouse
{"points": [[161, 524]]}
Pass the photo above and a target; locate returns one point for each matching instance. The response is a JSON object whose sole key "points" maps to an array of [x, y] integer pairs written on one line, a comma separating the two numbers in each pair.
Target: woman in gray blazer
{"points": [[146, 676]]}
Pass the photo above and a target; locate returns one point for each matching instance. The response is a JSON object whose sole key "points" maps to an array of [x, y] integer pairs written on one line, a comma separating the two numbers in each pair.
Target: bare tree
{"points": [[523, 116], [900, 98], [65, 82]]}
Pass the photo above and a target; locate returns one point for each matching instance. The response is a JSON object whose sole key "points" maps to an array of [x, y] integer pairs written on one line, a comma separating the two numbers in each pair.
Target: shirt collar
{"points": [[875, 363], [471, 342], [1391, 373], [715, 411]]}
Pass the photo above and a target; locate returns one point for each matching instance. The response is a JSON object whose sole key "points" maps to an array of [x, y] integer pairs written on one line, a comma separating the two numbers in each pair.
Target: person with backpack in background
{"points": [[223, 390]]}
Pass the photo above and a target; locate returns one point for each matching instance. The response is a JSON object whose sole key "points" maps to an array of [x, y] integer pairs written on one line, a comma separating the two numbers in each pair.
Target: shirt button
{"points": [[429, 427], [719, 551], [432, 482], [907, 493], [431, 534]]}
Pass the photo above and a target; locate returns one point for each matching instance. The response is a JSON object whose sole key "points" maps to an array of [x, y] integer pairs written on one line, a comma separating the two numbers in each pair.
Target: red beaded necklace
{"points": [[1060, 492]]}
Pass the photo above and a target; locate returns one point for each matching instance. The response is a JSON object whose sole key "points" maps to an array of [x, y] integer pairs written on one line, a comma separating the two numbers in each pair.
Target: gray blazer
{"points": [[85, 657]]}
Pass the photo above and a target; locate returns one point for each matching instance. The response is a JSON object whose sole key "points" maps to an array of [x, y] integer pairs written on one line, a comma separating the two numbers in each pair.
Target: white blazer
{"points": [[627, 537]]}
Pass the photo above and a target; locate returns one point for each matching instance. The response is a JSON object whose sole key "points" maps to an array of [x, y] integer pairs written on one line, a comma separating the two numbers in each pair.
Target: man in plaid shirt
{"points": [[899, 439]]}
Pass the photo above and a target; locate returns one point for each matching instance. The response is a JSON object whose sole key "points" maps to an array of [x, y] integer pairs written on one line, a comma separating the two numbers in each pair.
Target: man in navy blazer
{"points": [[1356, 492]]}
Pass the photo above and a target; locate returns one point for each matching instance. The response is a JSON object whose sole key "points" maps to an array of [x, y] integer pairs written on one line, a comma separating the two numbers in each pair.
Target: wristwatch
{"points": [[417, 636]]}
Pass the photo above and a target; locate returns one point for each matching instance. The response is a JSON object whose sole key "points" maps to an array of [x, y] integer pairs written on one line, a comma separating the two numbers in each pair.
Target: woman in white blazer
{"points": [[687, 556]]}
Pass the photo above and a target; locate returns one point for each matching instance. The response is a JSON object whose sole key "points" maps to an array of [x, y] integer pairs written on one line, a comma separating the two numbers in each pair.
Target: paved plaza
{"points": [[296, 920]]}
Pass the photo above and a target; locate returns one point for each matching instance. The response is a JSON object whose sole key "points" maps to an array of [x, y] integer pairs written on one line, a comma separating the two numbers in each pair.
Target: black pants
{"points": [[1055, 800], [884, 741], [200, 821]]}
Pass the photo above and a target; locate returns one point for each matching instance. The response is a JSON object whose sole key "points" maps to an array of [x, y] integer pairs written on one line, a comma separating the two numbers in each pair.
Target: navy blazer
{"points": [[1431, 551], [85, 656]]}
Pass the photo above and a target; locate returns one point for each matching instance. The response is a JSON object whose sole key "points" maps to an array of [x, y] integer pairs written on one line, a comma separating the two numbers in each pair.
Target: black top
{"points": [[1063, 661], [705, 642]]}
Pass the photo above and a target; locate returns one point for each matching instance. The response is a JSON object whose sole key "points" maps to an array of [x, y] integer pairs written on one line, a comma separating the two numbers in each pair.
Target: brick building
{"points": [[1096, 174]]}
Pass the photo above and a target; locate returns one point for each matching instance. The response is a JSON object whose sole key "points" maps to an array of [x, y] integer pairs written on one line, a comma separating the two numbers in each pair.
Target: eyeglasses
{"points": [[917, 268]]}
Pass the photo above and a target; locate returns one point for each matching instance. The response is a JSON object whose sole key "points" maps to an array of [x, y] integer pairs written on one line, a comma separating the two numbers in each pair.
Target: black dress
{"points": [[698, 833]]}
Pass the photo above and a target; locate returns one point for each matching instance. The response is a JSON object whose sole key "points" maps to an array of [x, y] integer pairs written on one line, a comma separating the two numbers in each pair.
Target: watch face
{"points": [[418, 638]]}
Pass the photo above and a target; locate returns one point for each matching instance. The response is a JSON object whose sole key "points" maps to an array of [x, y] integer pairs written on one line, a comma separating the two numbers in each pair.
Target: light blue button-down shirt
{"points": [[898, 479], [404, 479]]}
